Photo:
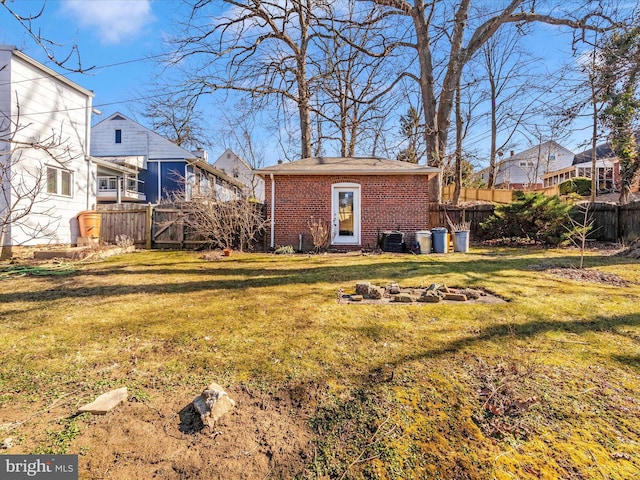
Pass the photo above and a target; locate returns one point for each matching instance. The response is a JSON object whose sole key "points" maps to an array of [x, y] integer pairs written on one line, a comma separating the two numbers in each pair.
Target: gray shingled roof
{"points": [[347, 165]]}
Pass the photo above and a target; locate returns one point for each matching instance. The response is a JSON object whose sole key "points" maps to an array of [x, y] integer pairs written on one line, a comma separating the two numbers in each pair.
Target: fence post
{"points": [[148, 227]]}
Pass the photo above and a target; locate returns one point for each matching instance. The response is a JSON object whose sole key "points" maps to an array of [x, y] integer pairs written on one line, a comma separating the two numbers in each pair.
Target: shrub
{"points": [[320, 233], [532, 216], [579, 185]]}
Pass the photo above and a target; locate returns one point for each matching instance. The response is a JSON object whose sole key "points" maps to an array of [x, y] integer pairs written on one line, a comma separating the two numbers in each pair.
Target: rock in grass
{"points": [[403, 298], [376, 293], [458, 297], [394, 289], [429, 297], [362, 288], [105, 402], [472, 293], [213, 404]]}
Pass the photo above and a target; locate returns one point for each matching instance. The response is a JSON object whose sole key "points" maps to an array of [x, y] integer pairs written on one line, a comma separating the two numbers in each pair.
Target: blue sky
{"points": [[119, 38], [123, 38]]}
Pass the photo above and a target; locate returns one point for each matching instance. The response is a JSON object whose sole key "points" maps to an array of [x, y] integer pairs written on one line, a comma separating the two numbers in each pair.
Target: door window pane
{"points": [[345, 213]]}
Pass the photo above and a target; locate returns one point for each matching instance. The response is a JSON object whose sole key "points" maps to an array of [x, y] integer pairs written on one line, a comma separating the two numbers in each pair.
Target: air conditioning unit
{"points": [[392, 241]]}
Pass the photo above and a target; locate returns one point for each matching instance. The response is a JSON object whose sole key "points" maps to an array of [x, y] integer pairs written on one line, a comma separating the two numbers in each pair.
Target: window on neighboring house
{"points": [[118, 136], [59, 181], [236, 173]]}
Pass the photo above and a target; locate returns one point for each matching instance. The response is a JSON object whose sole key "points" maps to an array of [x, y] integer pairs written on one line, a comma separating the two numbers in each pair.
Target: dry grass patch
{"points": [[545, 386]]}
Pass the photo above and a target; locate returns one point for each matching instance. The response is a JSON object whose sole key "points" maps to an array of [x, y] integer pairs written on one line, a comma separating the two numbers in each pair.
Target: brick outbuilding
{"points": [[358, 197]]}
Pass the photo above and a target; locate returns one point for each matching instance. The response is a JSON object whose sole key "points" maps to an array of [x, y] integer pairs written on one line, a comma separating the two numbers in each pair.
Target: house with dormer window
{"points": [[135, 164]]}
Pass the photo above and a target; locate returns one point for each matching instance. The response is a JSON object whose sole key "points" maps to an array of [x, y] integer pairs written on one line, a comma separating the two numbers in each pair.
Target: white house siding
{"points": [[528, 167], [237, 168], [48, 107], [136, 140]]}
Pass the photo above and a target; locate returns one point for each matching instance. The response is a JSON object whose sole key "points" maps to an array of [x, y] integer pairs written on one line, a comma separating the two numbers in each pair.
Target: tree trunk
{"points": [[459, 127]]}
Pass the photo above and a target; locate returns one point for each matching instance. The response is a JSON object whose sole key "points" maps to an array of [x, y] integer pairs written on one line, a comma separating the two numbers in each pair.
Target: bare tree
{"points": [[435, 23], [69, 60], [512, 94], [354, 94], [259, 48], [176, 117], [235, 223], [238, 132]]}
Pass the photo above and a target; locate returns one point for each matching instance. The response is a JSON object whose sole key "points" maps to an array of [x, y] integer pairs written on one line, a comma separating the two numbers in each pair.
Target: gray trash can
{"points": [[461, 241], [423, 237], [439, 240]]}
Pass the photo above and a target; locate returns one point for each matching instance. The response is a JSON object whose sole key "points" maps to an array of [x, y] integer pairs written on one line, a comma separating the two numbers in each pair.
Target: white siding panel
{"points": [[136, 140], [48, 110]]}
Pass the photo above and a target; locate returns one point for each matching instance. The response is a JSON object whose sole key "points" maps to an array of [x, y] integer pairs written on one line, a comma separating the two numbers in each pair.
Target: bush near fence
{"points": [[154, 226], [611, 223]]}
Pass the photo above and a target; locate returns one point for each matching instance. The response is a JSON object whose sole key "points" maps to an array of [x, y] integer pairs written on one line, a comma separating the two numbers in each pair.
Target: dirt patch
{"points": [[265, 436], [581, 274]]}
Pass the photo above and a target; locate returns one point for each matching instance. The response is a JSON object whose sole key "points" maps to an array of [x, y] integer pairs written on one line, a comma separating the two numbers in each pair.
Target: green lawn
{"points": [[544, 386]]}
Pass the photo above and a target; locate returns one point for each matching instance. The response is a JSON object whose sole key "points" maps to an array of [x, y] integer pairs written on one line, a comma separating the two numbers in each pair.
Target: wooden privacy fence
{"points": [[611, 223], [127, 220], [477, 214], [149, 226], [494, 195], [152, 226]]}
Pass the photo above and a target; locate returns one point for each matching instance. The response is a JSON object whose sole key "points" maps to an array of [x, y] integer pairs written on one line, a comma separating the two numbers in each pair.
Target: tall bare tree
{"points": [[436, 23], [355, 92], [513, 91], [260, 48], [176, 117]]}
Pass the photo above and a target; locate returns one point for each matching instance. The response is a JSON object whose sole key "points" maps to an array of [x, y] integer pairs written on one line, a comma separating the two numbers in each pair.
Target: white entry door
{"points": [[345, 208]]}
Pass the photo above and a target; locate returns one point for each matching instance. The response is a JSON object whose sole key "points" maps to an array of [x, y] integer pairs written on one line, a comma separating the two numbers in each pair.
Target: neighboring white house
{"points": [[527, 168], [136, 164], [233, 165], [47, 177], [607, 169]]}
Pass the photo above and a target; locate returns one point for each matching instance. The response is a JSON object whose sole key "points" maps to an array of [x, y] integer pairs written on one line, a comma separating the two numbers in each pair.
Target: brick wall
{"points": [[388, 203]]}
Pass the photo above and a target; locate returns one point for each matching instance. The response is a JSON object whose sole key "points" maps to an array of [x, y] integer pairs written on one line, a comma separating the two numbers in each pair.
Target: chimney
{"points": [[511, 153], [279, 161]]}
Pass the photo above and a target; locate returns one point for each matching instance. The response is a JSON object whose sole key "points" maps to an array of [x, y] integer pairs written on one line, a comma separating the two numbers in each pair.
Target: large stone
{"points": [[213, 404], [472, 293], [429, 297], [356, 298], [106, 402], [376, 293], [457, 297], [394, 289], [403, 298], [362, 288]]}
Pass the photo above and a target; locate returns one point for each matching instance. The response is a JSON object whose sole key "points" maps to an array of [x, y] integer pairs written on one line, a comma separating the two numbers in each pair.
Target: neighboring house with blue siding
{"points": [[135, 164]]}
